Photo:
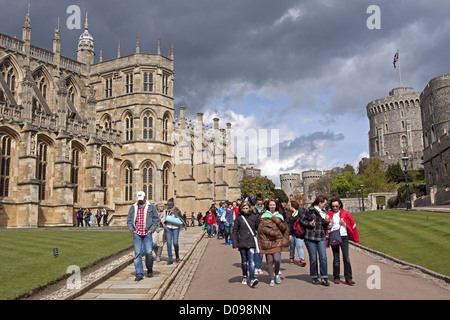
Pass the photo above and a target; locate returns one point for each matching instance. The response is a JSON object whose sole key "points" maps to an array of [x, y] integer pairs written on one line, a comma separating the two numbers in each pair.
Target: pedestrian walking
{"points": [[159, 236], [105, 217], [294, 214], [343, 221], [98, 216], [273, 237], [258, 209], [228, 220], [142, 220], [172, 230], [243, 238], [79, 215], [316, 222], [192, 220], [210, 222]]}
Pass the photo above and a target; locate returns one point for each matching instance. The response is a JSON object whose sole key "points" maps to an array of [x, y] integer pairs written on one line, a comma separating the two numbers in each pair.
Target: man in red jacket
{"points": [[342, 220]]}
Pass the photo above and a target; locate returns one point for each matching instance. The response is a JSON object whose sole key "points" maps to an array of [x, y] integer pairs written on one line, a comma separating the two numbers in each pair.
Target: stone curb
{"points": [[96, 282], [420, 268], [123, 265], [163, 289]]}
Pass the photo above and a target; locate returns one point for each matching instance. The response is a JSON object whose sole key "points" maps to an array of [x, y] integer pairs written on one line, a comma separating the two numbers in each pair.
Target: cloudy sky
{"points": [[303, 71]]}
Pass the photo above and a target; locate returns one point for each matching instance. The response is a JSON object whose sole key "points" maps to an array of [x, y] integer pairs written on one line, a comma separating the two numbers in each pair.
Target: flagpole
{"points": [[399, 72]]}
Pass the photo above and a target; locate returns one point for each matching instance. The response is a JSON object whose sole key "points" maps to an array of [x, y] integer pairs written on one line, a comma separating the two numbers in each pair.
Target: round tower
{"points": [[396, 128], [290, 182], [309, 177]]}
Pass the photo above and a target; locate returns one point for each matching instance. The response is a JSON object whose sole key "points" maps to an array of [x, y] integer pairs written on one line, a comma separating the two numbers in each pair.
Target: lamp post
{"points": [[362, 197], [408, 199]]}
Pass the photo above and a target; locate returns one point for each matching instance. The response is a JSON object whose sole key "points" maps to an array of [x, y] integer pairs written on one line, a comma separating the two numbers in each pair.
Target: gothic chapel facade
{"points": [[79, 133]]}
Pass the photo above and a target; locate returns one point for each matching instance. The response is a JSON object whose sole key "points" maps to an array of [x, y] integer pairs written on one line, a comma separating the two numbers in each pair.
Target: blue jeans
{"points": [[172, 237], [248, 255], [296, 243], [138, 241], [314, 248], [210, 229], [258, 260]]}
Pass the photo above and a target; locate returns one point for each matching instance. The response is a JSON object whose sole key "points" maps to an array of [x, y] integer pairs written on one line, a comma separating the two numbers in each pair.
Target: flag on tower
{"points": [[395, 59]]}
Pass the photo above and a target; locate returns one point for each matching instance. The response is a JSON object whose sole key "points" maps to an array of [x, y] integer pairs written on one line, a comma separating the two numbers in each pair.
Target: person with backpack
{"points": [[273, 238], [296, 242], [316, 223], [243, 238]]}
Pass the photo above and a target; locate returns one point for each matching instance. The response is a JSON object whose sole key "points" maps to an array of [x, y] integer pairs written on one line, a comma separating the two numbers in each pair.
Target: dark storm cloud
{"points": [[318, 55]]}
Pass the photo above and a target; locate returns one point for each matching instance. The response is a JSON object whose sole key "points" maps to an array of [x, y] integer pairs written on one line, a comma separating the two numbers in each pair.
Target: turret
{"points": [[85, 52]]}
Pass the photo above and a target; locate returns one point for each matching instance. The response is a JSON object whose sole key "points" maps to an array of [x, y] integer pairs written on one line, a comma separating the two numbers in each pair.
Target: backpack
{"points": [[298, 230]]}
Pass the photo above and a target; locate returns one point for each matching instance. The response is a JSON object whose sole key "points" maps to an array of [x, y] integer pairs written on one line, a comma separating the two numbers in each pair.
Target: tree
{"points": [[394, 173], [374, 178], [345, 182], [257, 185], [281, 195]]}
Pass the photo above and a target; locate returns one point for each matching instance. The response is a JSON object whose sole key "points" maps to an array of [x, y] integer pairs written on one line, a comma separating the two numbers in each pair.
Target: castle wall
{"points": [[434, 106]]}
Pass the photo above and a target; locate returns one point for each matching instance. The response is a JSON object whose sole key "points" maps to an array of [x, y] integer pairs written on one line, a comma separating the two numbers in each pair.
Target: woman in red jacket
{"points": [[342, 220]]}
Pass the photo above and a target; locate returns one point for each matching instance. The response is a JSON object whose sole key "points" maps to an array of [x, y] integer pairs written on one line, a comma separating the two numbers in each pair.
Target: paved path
{"points": [[122, 286], [218, 277]]}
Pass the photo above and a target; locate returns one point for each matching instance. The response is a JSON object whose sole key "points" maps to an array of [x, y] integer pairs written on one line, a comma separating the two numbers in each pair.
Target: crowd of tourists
{"points": [[85, 218], [260, 227], [255, 226]]}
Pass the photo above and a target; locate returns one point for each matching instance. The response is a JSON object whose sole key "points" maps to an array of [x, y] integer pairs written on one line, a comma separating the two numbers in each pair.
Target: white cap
{"points": [[141, 195]]}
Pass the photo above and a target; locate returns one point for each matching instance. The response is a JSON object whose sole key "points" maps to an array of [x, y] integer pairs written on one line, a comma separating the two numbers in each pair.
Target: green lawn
{"points": [[27, 261], [419, 237]]}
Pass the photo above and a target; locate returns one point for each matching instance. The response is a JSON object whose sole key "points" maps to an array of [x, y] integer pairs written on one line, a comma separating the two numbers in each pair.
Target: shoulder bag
{"points": [[254, 238]]}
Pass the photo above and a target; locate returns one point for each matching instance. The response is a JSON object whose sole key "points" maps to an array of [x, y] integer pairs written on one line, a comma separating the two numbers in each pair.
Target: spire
{"points": [[86, 25], [171, 52], [159, 46], [137, 44], [101, 54], [118, 50], [26, 29]]}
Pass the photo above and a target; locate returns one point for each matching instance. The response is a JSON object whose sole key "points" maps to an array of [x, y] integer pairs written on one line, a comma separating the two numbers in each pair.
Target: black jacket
{"points": [[241, 236], [290, 221]]}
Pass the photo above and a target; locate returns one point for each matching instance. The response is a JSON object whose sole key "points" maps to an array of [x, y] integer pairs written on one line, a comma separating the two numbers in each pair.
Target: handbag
{"points": [[174, 220], [254, 238], [334, 238]]}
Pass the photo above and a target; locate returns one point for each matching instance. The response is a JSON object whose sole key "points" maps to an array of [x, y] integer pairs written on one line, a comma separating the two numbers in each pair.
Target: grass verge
{"points": [[27, 261], [418, 237]]}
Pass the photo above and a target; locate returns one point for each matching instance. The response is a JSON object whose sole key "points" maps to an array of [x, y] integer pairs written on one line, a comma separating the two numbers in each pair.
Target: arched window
{"points": [[5, 160], [42, 163], [147, 127], [165, 182], [10, 76], [103, 175], [147, 181], [433, 133], [425, 140], [165, 133], [128, 127], [377, 146], [75, 168], [404, 142], [41, 83], [148, 82], [128, 191], [129, 83]]}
